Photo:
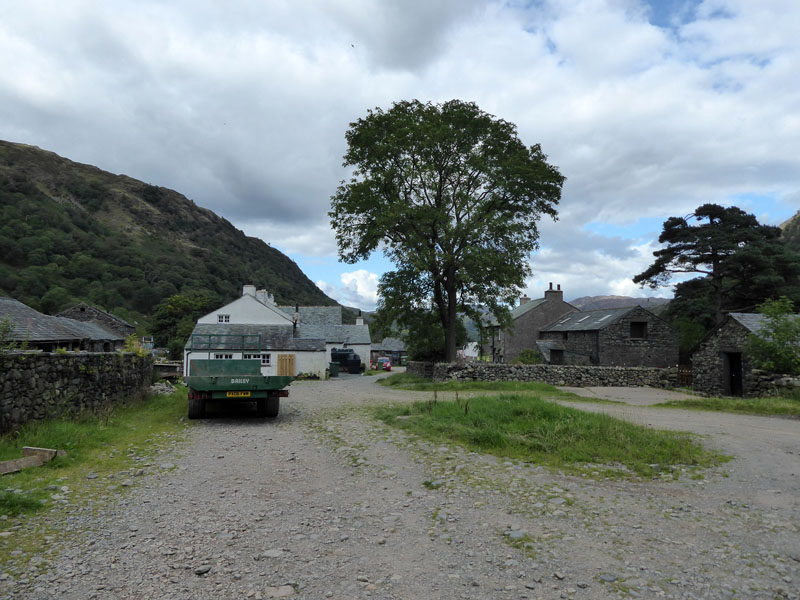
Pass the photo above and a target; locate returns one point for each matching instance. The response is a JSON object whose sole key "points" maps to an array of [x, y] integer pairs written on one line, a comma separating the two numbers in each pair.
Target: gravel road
{"points": [[324, 503]]}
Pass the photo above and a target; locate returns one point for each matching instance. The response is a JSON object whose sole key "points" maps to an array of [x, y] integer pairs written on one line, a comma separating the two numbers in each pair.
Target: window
{"points": [[638, 330], [265, 360], [223, 356], [223, 318]]}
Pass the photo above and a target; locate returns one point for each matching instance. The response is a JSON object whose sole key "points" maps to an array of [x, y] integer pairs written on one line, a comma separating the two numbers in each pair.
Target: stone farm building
{"points": [[393, 348], [720, 364], [619, 337], [37, 331], [528, 319], [92, 314]]}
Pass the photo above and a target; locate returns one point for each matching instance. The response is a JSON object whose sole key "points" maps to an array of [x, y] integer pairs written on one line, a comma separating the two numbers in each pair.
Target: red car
{"points": [[383, 363]]}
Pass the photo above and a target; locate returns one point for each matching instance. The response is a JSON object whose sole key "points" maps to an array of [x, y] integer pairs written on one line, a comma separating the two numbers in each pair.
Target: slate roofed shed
{"points": [[46, 332]]}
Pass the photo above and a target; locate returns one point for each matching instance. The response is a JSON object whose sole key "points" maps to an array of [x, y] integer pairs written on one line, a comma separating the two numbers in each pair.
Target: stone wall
{"points": [[569, 375], [39, 385], [420, 369], [659, 347]]}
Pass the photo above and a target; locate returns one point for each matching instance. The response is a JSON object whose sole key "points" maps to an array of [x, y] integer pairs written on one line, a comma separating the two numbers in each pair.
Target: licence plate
{"points": [[237, 394]]}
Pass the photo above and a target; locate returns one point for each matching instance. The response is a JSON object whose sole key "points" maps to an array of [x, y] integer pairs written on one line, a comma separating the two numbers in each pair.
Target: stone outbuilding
{"points": [[37, 331], [618, 337], [91, 314], [527, 320], [720, 363]]}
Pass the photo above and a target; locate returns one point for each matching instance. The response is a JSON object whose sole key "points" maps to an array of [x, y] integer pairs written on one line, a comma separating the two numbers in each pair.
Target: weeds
{"points": [[773, 406]]}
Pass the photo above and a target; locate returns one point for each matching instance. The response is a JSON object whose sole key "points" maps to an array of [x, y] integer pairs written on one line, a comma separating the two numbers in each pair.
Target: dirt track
{"points": [[325, 503]]}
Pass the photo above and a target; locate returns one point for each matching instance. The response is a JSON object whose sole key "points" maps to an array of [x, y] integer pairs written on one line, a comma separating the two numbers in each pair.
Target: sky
{"points": [[650, 108]]}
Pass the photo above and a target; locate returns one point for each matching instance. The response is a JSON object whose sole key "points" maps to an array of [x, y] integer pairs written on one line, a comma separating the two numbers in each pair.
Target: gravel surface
{"points": [[324, 503]]}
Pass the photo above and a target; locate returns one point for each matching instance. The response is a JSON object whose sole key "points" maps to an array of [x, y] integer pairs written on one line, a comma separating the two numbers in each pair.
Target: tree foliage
{"points": [[175, 318], [742, 263], [452, 197], [776, 346]]}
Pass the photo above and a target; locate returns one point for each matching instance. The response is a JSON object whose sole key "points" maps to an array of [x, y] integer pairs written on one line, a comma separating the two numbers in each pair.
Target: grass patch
{"points": [[533, 430], [406, 381], [104, 443], [786, 407]]}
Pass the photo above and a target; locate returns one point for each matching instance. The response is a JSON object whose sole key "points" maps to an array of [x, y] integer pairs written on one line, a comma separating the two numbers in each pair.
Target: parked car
{"points": [[383, 364]]}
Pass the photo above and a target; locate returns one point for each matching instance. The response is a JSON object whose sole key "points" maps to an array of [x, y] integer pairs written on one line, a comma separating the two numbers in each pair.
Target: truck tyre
{"points": [[261, 407], [196, 408], [272, 407]]}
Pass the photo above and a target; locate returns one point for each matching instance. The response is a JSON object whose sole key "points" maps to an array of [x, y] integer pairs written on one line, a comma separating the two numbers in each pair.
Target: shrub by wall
{"points": [[39, 385]]}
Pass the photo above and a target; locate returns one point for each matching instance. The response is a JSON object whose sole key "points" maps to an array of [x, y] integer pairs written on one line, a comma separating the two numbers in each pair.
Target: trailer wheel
{"points": [[261, 407], [196, 406], [272, 405]]}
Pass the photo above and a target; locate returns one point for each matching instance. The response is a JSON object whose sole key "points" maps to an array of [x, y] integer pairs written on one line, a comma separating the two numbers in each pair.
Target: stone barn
{"points": [[528, 319], [618, 337], [720, 364]]}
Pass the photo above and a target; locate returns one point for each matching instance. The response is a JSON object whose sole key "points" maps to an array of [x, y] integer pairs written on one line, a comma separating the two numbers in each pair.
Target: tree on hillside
{"points": [[742, 261], [175, 318], [452, 197]]}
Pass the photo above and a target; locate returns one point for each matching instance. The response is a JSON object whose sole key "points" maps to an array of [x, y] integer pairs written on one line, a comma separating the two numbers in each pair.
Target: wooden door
{"points": [[286, 364]]}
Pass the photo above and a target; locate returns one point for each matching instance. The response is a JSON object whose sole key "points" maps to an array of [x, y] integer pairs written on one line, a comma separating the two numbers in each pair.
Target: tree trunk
{"points": [[452, 316]]}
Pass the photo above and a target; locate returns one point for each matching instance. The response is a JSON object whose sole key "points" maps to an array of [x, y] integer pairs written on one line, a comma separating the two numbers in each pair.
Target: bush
{"points": [[530, 356]]}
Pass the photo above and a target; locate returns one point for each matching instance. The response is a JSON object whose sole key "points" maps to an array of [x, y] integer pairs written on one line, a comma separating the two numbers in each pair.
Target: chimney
{"points": [[524, 299], [249, 290], [557, 294], [359, 319], [261, 296], [296, 315]]}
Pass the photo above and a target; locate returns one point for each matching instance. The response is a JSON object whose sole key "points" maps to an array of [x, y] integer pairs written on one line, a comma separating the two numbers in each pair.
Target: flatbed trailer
{"points": [[234, 381]]}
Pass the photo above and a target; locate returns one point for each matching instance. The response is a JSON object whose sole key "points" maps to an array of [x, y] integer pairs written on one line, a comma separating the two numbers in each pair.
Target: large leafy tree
{"points": [[452, 197], [742, 261]]}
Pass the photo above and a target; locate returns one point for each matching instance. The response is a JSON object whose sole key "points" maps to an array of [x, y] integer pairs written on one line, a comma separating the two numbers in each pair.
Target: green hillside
{"points": [[72, 232], [791, 232]]}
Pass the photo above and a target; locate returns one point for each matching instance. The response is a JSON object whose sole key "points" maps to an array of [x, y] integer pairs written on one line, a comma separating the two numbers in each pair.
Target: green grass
{"points": [[533, 430], [786, 407], [406, 381], [100, 443]]}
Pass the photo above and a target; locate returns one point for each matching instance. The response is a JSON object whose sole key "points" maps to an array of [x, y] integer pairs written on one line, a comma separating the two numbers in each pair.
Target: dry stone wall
{"points": [[39, 385], [569, 375]]}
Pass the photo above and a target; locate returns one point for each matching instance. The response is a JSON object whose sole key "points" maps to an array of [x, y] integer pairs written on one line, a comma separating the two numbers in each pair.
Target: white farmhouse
{"points": [[287, 340], [250, 327]]}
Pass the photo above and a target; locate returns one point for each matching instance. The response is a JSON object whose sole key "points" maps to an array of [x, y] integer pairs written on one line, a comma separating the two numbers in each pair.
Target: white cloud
{"points": [[243, 107], [358, 288]]}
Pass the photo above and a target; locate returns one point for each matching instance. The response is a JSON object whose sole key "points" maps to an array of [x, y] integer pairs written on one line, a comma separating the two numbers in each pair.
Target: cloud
{"points": [[358, 288], [648, 108]]}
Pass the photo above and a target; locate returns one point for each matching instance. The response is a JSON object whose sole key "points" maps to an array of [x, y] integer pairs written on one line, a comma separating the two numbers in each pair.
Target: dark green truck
{"points": [[234, 381]]}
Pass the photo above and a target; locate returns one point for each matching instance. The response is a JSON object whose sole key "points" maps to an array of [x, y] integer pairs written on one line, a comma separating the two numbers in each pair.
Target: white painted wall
{"points": [[248, 311]]}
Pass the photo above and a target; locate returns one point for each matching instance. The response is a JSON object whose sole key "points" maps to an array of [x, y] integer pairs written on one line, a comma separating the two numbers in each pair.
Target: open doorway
{"points": [[732, 373]]}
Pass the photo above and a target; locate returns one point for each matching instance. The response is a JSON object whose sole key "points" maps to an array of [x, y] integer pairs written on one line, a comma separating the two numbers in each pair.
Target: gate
{"points": [[684, 376], [286, 364]]}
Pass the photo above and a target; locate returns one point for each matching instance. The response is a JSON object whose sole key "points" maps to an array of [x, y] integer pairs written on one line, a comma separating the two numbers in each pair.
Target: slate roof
{"points": [[316, 315], [33, 326], [590, 320], [219, 336], [389, 344], [753, 322], [335, 334], [520, 310]]}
